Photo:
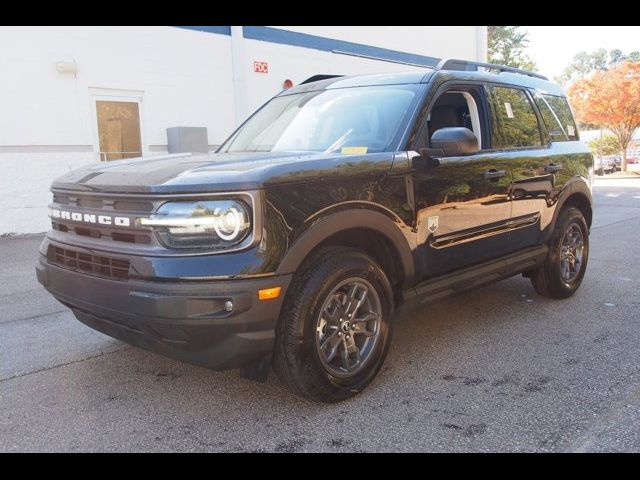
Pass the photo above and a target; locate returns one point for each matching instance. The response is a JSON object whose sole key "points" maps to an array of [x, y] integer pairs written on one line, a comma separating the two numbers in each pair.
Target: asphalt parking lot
{"points": [[496, 369]]}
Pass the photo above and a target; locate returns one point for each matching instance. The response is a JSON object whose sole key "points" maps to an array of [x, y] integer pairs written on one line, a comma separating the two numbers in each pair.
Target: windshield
{"points": [[348, 120]]}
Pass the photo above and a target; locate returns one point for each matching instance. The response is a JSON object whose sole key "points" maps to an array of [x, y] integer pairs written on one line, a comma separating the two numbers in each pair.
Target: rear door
{"points": [[518, 133]]}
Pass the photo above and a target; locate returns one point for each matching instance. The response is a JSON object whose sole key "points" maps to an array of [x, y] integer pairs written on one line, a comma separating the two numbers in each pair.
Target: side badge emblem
{"points": [[432, 224]]}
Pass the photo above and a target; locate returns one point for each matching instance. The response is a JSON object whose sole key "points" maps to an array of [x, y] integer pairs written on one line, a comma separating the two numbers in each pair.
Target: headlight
{"points": [[215, 224]]}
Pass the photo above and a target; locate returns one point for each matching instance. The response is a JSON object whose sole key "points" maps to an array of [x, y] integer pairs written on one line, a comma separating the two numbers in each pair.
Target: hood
{"points": [[216, 172]]}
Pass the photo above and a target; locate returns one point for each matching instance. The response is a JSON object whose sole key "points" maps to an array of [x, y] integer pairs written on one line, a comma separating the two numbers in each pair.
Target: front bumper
{"points": [[185, 320]]}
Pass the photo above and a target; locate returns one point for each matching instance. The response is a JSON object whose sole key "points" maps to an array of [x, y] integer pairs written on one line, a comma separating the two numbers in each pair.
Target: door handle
{"points": [[553, 167], [494, 174]]}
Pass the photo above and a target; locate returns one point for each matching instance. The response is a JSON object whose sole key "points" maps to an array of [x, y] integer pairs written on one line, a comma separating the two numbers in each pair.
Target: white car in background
{"points": [[604, 165]]}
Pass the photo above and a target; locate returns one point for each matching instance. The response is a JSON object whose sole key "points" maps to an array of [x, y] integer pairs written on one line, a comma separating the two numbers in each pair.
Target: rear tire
{"points": [[562, 272], [335, 327]]}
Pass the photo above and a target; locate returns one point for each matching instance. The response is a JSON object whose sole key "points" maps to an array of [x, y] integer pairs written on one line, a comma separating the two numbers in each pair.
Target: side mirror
{"points": [[455, 141]]}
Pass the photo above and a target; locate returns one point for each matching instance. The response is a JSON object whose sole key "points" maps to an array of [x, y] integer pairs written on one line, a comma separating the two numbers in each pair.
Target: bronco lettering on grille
{"points": [[90, 218]]}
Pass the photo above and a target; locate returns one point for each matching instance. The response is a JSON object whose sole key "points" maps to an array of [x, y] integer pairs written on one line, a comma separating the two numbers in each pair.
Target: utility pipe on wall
{"points": [[238, 71], [482, 44]]}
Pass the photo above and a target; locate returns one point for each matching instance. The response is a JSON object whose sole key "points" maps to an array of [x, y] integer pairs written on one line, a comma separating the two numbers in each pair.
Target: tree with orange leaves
{"points": [[610, 99]]}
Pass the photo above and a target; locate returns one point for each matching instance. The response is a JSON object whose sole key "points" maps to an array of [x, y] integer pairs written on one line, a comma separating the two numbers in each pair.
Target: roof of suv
{"points": [[508, 78]]}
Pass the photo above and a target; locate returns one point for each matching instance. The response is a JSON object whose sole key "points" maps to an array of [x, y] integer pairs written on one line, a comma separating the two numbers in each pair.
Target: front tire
{"points": [[335, 327], [562, 272]]}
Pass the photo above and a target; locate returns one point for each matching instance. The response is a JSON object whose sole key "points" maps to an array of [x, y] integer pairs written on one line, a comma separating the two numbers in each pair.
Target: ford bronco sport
{"points": [[335, 203]]}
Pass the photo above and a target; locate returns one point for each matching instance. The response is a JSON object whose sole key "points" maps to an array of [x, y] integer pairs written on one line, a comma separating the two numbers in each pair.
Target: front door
{"points": [[462, 203]]}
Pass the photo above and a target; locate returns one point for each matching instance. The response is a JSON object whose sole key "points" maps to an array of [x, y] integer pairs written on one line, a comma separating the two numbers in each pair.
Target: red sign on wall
{"points": [[261, 67]]}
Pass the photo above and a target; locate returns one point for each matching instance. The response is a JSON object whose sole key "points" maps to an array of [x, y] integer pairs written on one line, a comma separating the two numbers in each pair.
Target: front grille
{"points": [[110, 205], [97, 265], [106, 203], [137, 237]]}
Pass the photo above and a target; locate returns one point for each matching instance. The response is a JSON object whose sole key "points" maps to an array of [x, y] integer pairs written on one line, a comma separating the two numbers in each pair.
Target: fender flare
{"points": [[574, 186], [579, 185], [343, 220]]}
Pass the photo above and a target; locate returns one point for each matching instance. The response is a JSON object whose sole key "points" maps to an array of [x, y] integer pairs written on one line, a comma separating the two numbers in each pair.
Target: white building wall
{"points": [[181, 77], [180, 73], [47, 120]]}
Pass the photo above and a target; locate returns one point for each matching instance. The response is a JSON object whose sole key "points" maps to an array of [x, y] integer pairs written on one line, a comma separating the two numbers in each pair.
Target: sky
{"points": [[552, 48]]}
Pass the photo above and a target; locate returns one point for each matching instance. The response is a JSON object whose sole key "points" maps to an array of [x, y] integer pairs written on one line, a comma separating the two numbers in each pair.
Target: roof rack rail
{"points": [[455, 64], [316, 78]]}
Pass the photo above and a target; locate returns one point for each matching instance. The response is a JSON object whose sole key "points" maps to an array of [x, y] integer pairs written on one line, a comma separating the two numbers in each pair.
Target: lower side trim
{"points": [[478, 275], [458, 238]]}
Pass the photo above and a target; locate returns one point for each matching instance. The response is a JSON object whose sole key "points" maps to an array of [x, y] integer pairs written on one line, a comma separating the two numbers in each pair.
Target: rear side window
{"points": [[514, 122], [557, 117]]}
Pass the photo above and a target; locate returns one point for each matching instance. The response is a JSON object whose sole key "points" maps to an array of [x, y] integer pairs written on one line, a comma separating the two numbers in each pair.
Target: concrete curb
{"points": [[619, 177], [18, 236]]}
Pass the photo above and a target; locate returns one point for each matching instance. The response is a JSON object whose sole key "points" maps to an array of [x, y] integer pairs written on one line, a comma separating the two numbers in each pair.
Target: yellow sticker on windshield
{"points": [[354, 150]]}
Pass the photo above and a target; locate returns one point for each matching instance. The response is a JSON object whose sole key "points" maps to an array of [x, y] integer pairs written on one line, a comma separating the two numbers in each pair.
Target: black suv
{"points": [[338, 201]]}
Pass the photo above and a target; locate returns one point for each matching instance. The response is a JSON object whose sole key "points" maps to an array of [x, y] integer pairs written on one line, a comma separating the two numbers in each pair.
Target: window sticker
{"points": [[507, 107], [571, 131], [354, 150]]}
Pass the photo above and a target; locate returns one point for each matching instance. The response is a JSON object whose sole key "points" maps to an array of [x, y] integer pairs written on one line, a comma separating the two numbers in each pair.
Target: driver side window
{"points": [[458, 107]]}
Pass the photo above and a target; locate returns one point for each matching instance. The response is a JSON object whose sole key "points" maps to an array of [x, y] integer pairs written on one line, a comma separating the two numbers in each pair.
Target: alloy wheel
{"points": [[571, 253], [348, 327]]}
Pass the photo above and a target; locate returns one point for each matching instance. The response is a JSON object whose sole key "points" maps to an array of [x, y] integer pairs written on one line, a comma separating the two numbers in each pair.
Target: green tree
{"points": [[607, 145], [585, 63], [616, 55], [507, 45]]}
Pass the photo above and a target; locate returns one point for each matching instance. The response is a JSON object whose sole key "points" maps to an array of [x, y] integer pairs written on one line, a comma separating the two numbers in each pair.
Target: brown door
{"points": [[118, 130]]}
